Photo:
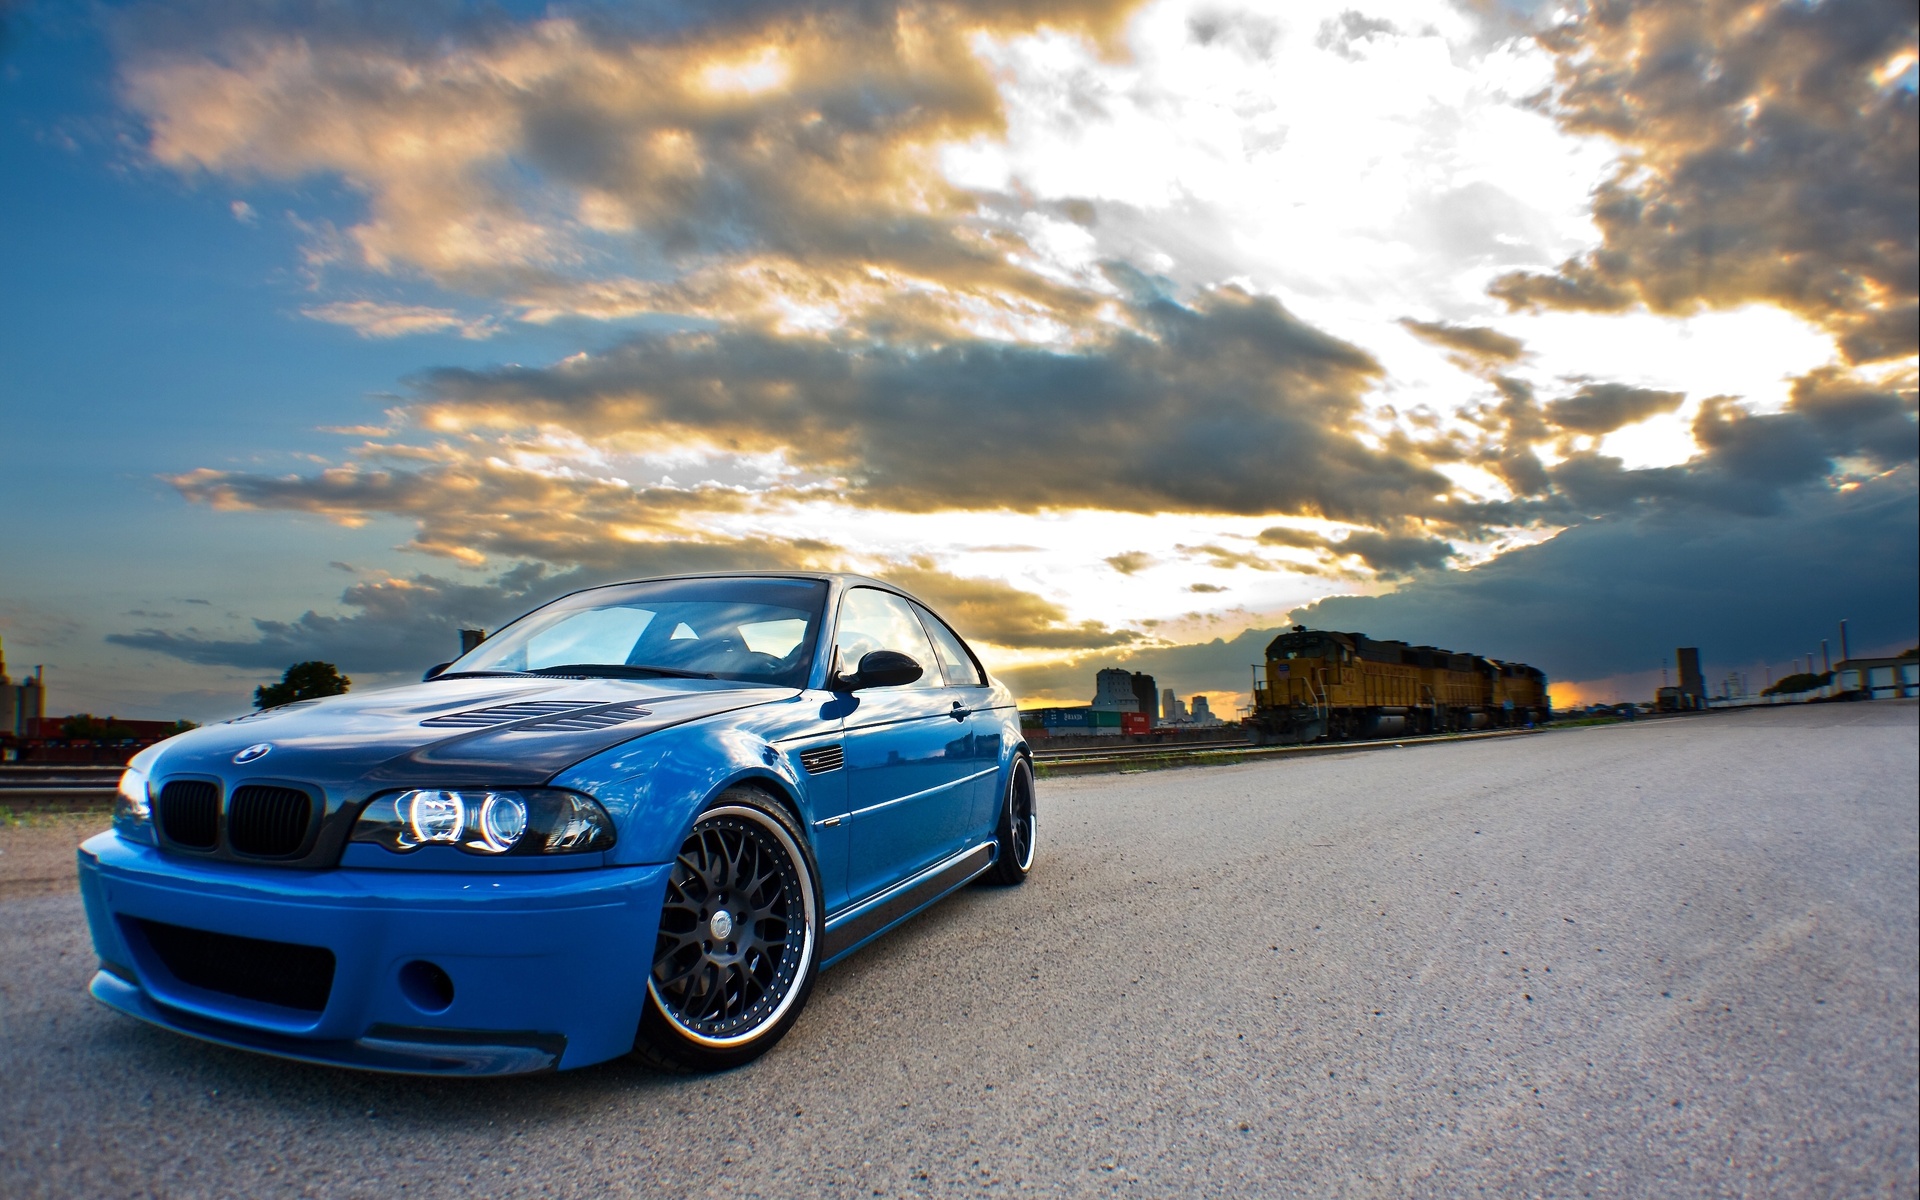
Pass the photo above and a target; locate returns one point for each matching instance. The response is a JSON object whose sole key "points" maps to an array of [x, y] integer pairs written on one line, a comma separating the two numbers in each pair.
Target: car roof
{"points": [[844, 578]]}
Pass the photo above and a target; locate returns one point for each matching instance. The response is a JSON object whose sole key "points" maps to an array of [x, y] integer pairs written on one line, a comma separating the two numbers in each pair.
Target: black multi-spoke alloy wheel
{"points": [[739, 940], [1018, 825]]}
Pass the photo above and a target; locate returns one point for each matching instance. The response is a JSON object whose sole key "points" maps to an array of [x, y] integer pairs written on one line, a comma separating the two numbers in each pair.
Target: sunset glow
{"points": [[1120, 330]]}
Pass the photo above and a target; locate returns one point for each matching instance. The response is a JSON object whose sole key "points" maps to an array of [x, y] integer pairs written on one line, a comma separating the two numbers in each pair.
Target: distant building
{"points": [[1692, 683], [1113, 691], [20, 703], [1173, 710], [1146, 695], [1877, 678], [1203, 712]]}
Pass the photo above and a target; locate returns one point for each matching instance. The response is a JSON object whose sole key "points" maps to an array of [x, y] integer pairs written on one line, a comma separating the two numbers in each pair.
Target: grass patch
{"points": [[39, 816]]}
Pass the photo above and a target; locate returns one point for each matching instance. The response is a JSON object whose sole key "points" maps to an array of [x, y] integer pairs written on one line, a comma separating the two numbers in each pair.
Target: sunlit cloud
{"points": [[1079, 319], [374, 319]]}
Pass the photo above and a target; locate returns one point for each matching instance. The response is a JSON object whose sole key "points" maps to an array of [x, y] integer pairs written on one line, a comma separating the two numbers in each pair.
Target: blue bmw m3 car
{"points": [[640, 819]]}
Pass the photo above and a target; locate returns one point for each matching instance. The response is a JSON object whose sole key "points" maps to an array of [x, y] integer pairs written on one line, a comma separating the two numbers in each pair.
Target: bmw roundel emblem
{"points": [[253, 753]]}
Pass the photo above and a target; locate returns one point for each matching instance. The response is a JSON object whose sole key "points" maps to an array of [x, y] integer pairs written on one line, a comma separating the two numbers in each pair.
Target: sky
{"points": [[1124, 333]]}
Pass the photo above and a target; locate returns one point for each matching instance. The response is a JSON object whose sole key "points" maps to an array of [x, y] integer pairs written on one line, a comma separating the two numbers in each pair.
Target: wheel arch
{"points": [[773, 785]]}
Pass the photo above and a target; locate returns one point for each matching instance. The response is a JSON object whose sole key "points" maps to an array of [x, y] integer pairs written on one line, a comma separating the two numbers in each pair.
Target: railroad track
{"points": [[57, 786], [1137, 751]]}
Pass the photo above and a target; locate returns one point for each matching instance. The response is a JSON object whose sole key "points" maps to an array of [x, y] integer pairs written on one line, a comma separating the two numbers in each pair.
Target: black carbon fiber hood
{"points": [[502, 732]]}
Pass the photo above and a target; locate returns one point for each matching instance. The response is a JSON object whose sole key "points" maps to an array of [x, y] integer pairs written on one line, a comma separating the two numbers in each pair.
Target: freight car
{"points": [[1323, 684]]}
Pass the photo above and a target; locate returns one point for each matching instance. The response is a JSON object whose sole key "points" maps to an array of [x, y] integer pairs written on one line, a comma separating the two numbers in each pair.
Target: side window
{"points": [[955, 663], [874, 620]]}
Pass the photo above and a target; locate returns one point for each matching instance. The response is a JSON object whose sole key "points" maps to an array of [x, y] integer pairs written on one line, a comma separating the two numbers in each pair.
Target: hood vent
{"points": [[599, 718], [822, 759], [503, 714]]}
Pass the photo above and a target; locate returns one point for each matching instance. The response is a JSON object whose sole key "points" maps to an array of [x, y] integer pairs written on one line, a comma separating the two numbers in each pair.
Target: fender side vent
{"points": [[822, 759], [505, 714], [599, 718]]}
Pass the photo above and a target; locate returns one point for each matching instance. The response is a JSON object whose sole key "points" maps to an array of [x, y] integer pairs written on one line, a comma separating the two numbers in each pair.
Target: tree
{"points": [[87, 727], [303, 681], [1803, 681]]}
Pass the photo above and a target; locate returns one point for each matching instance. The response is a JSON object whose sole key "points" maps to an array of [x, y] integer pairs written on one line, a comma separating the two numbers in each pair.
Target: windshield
{"points": [[751, 630]]}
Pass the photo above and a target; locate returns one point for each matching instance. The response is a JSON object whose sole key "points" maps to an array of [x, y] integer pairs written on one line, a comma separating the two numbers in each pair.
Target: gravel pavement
{"points": [[1672, 958]]}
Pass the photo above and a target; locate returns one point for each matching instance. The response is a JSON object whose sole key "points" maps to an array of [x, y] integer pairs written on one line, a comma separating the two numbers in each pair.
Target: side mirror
{"points": [[882, 668], [433, 672]]}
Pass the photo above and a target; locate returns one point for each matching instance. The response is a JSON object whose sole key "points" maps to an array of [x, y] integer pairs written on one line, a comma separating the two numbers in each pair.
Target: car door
{"points": [[967, 684], [906, 750]]}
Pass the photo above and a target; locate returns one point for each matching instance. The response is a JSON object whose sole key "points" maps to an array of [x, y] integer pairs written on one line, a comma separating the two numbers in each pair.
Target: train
{"points": [[1323, 684]]}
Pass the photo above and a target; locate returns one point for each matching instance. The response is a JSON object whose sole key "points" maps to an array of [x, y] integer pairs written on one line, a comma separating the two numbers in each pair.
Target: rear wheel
{"points": [[738, 947], [1019, 824]]}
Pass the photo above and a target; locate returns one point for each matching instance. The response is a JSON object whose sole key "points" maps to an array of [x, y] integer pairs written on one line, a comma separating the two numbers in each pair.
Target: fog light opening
{"points": [[426, 986]]}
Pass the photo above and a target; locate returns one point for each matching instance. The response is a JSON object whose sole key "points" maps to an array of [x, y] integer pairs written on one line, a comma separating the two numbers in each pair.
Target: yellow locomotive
{"points": [[1322, 684]]}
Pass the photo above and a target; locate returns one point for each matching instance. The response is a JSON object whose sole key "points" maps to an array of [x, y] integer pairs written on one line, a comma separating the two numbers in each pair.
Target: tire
{"points": [[722, 992], [1018, 828]]}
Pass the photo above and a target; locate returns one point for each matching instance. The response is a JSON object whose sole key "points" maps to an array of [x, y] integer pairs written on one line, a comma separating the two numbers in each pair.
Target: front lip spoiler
{"points": [[395, 1050]]}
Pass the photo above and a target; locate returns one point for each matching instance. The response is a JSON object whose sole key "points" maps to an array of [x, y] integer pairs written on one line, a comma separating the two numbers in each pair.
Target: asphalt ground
{"points": [[1674, 958]]}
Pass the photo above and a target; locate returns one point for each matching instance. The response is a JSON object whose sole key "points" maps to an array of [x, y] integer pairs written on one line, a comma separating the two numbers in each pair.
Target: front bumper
{"points": [[547, 970]]}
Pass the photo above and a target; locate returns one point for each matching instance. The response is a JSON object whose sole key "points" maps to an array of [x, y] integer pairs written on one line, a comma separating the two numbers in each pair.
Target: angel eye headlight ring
{"points": [[487, 821]]}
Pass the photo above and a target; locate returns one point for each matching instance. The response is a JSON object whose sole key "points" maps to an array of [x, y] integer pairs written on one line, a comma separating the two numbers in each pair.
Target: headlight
{"points": [[133, 807], [480, 821]]}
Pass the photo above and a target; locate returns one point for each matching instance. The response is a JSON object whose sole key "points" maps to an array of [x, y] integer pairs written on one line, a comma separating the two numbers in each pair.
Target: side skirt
{"points": [[854, 928]]}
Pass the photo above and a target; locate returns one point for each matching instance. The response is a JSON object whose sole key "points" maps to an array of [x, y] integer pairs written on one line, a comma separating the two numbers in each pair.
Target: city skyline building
{"points": [[20, 702], [1113, 691], [1203, 712]]}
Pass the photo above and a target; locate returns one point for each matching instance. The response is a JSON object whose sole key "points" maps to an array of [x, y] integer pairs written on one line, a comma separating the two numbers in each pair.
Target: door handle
{"points": [[960, 711]]}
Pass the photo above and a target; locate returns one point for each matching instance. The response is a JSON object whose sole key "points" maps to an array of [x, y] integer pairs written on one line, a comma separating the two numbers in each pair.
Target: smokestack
{"points": [[1826, 664], [469, 638], [1844, 656]]}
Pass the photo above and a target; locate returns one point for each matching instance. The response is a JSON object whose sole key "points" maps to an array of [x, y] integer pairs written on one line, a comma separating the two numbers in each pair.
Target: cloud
{"points": [[1285, 535], [1207, 589], [1390, 555], [1347, 34], [393, 625], [1768, 159], [610, 165], [471, 505], [850, 329], [1610, 594], [1755, 464], [1476, 343], [1130, 562], [1224, 559], [1394, 555], [375, 319], [997, 613], [1599, 408], [1228, 403]]}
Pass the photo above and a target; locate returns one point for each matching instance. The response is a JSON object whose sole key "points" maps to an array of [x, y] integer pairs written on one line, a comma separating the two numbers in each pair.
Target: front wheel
{"points": [[738, 947], [1018, 826]]}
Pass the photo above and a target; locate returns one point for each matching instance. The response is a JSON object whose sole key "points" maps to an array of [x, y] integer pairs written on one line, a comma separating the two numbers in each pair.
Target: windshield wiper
{"points": [[621, 671], [476, 674]]}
